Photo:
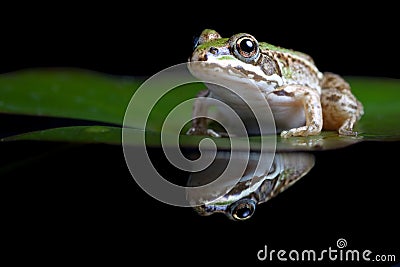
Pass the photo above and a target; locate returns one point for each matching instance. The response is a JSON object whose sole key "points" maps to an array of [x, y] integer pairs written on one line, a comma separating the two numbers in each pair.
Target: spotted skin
{"points": [[340, 108]]}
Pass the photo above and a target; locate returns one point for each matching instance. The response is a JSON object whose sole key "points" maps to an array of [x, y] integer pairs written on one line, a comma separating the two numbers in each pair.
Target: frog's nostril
{"points": [[213, 50], [198, 57], [202, 57]]}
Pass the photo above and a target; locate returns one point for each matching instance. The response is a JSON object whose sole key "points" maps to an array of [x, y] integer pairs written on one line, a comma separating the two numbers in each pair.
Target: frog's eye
{"points": [[242, 209], [246, 48]]}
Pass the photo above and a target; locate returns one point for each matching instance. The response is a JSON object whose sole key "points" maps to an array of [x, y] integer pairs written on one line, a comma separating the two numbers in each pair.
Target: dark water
{"points": [[78, 203]]}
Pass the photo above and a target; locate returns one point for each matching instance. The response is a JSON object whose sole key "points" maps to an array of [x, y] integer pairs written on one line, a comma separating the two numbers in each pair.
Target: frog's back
{"points": [[266, 46], [295, 67]]}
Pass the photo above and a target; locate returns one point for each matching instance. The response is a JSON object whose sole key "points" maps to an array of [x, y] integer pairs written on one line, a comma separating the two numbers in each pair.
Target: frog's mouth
{"points": [[233, 73], [232, 81]]}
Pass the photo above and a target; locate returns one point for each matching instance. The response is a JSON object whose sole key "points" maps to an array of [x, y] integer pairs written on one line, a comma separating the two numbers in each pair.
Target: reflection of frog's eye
{"points": [[242, 209], [246, 48]]}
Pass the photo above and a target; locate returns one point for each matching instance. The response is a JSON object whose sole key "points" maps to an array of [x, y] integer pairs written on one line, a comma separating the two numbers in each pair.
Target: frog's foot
{"points": [[203, 131], [309, 98], [347, 127], [301, 131]]}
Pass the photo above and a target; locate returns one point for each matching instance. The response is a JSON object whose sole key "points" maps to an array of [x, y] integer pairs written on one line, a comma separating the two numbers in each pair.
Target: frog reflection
{"points": [[240, 202]]}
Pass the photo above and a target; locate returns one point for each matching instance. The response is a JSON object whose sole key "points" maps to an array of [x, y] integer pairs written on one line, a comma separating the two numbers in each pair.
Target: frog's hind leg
{"points": [[340, 109]]}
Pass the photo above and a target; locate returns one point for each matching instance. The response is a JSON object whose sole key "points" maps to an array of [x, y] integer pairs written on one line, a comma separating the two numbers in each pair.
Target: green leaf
{"points": [[82, 94], [110, 135], [381, 100], [113, 136], [74, 134], [67, 93]]}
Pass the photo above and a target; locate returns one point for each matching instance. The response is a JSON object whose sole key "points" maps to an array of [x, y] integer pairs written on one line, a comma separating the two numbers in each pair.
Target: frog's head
{"points": [[237, 59], [211, 47], [240, 202]]}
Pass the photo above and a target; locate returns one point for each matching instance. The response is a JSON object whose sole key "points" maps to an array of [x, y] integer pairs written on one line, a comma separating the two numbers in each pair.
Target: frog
{"points": [[303, 100], [241, 201]]}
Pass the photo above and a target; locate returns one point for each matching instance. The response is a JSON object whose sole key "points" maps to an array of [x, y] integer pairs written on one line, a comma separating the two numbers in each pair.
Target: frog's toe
{"points": [[213, 133], [347, 127], [301, 131], [285, 134], [347, 132], [202, 131], [292, 132], [196, 131]]}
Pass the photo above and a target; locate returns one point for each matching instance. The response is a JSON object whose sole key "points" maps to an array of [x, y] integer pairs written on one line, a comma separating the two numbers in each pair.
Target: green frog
{"points": [[302, 99]]}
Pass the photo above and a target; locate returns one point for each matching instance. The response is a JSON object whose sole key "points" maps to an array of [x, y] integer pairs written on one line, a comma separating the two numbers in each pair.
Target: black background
{"points": [[79, 204]]}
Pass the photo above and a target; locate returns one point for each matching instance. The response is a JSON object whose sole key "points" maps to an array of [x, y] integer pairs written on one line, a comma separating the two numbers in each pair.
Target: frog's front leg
{"points": [[309, 99], [341, 110], [199, 114]]}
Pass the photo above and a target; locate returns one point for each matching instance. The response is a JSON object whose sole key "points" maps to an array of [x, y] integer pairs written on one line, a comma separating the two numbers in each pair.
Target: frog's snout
{"points": [[199, 56]]}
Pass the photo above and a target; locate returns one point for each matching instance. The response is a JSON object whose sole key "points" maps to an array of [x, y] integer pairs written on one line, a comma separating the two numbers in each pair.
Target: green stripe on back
{"points": [[267, 46]]}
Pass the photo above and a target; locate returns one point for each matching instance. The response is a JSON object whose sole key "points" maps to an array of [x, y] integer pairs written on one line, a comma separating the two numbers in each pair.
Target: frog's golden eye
{"points": [[246, 48], [242, 209]]}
